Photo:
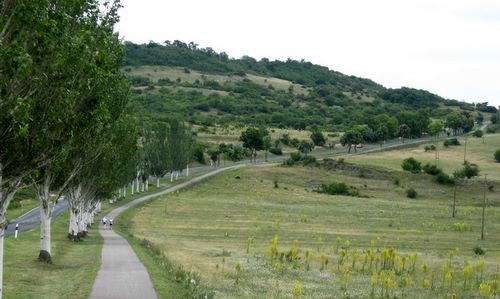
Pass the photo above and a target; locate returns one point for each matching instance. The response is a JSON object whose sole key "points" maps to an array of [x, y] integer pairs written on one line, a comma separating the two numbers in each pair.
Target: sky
{"points": [[448, 47]]}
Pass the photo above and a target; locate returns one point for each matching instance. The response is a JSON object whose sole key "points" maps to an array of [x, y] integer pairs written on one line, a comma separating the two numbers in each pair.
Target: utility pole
{"points": [[465, 149], [484, 208], [454, 201]]}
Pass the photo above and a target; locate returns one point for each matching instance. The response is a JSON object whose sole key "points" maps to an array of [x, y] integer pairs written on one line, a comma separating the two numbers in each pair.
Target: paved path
{"points": [[122, 275]]}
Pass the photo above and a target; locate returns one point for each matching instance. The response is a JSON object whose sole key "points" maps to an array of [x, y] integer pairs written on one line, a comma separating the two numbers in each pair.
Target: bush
{"points": [[468, 171], [431, 147], [478, 250], [411, 165], [411, 193], [444, 179], [307, 160], [452, 141], [431, 169], [296, 156], [492, 129], [497, 155], [478, 133], [276, 151], [337, 188]]}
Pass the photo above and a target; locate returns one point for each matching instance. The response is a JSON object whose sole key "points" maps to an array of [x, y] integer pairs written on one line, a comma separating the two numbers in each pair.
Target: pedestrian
{"points": [[104, 221], [110, 223]]}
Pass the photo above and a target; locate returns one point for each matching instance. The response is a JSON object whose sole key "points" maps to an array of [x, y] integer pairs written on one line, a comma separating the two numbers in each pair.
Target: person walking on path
{"points": [[104, 221], [110, 223]]}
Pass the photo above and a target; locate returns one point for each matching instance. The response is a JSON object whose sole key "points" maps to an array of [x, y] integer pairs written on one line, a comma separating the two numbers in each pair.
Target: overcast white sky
{"points": [[449, 47]]}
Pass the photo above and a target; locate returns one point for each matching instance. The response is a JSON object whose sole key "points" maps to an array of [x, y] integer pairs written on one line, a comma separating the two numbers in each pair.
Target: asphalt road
{"points": [[31, 219]]}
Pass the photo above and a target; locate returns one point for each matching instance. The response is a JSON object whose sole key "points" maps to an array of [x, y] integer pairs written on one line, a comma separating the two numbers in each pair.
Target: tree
{"points": [[404, 132], [252, 139], [267, 145], [352, 137], [44, 102], [305, 147], [318, 138]]}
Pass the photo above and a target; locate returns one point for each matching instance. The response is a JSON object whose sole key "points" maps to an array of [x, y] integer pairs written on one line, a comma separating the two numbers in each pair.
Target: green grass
{"points": [[71, 275], [451, 158], [75, 265], [196, 228]]}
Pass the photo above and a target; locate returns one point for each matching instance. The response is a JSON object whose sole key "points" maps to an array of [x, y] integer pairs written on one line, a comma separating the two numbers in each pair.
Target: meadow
{"points": [[263, 232]]}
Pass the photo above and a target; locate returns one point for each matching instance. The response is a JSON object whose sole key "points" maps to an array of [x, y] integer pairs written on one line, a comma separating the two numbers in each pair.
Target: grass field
{"points": [[209, 229], [450, 158]]}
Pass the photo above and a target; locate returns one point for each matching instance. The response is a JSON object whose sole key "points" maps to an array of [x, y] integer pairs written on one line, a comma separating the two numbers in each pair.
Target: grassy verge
{"points": [[71, 275]]}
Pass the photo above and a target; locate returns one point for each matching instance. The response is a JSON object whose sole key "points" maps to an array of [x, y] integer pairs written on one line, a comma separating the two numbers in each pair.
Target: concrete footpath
{"points": [[122, 275]]}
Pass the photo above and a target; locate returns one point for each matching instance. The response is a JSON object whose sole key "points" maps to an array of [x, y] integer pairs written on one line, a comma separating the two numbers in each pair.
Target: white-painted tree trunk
{"points": [[132, 188], [176, 175], [124, 193], [137, 185], [147, 185], [172, 176], [187, 170], [157, 182], [45, 240], [43, 195], [143, 187]]}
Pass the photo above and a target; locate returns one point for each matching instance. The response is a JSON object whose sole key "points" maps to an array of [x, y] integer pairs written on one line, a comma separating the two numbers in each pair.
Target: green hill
{"points": [[208, 88]]}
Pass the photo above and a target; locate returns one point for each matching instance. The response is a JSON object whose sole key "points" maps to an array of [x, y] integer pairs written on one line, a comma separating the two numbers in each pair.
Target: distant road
{"points": [[31, 219]]}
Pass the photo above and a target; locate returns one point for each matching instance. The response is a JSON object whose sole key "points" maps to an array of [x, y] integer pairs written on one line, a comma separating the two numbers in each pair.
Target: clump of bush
{"points": [[497, 155], [299, 158], [431, 169], [478, 133], [411, 193], [431, 147], [444, 179], [309, 160], [276, 151], [411, 165], [451, 142], [478, 250], [338, 188], [468, 171], [493, 129]]}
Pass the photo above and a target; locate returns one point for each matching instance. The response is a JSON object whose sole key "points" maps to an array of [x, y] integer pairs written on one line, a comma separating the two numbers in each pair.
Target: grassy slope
{"points": [[451, 158], [154, 73], [193, 228]]}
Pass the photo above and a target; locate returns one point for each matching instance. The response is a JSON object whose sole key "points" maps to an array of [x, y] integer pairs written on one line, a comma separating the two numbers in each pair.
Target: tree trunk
{"points": [[187, 169], [157, 182], [176, 175], [137, 185], [45, 241], [132, 187], [124, 191], [147, 185], [171, 176]]}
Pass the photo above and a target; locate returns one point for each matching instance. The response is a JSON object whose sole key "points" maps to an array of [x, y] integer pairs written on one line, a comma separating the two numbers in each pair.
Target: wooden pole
{"points": [[454, 201], [484, 208]]}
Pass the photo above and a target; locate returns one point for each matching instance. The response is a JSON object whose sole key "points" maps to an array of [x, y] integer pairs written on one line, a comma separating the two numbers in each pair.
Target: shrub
{"points": [[497, 155], [411, 165], [276, 151], [307, 160], [478, 250], [431, 147], [396, 181], [469, 170], [411, 193], [452, 141], [443, 178], [431, 169], [478, 133], [296, 156], [338, 188]]}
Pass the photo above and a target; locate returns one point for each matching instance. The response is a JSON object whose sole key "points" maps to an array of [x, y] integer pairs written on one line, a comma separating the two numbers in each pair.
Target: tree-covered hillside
{"points": [[206, 87]]}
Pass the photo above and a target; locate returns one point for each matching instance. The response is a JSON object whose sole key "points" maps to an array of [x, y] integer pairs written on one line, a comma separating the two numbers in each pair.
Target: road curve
{"points": [[122, 275]]}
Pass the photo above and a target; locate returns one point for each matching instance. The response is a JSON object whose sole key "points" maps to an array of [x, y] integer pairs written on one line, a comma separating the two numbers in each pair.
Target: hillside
{"points": [[208, 88]]}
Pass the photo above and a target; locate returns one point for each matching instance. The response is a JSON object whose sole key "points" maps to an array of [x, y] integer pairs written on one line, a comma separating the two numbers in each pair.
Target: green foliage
{"points": [[411, 193], [478, 133], [318, 138], [468, 171], [276, 151], [478, 250], [431, 147], [431, 169], [451, 142], [411, 165], [497, 155], [305, 146], [308, 160], [338, 188], [444, 179]]}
